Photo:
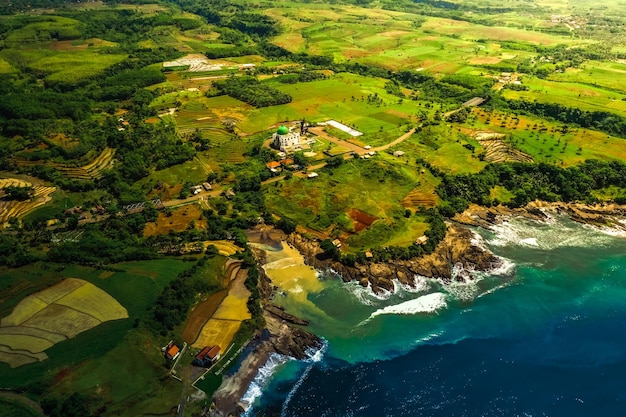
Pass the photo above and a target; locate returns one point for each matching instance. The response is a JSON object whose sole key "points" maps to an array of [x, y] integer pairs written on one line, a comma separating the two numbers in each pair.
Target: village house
{"points": [[207, 356], [172, 352]]}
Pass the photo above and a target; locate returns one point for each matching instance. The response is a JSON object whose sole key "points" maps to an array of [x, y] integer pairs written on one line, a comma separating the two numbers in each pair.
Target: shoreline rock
{"points": [[601, 215], [458, 248]]}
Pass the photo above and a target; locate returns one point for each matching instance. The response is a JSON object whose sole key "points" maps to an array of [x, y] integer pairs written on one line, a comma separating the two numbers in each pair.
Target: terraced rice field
{"points": [[14, 208], [51, 316], [418, 198], [91, 171], [497, 150]]}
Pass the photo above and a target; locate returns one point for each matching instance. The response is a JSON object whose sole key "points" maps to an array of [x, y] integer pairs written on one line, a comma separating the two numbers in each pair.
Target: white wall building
{"points": [[284, 139]]}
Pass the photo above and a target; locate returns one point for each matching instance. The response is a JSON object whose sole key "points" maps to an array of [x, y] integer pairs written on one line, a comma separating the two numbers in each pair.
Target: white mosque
{"points": [[285, 140]]}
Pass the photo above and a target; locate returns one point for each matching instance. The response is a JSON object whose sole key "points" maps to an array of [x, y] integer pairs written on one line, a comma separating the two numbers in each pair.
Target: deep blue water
{"points": [[545, 338]]}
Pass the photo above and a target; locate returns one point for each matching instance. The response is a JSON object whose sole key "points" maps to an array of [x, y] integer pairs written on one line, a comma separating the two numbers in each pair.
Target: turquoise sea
{"points": [[542, 335]]}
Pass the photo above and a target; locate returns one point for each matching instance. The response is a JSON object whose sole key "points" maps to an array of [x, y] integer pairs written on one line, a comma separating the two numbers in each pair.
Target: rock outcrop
{"points": [[458, 248], [602, 215]]}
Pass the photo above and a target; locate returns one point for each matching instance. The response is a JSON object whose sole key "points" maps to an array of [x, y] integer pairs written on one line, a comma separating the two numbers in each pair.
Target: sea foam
{"points": [[262, 378], [429, 303]]}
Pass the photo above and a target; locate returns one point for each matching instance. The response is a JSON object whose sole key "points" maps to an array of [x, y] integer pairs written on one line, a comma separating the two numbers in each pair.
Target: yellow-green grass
{"points": [[343, 98], [64, 65], [32, 331], [24, 342], [474, 31], [408, 232], [15, 358], [584, 97], [442, 146], [6, 68], [374, 186], [608, 75], [501, 194], [536, 136], [44, 30], [91, 300], [609, 193]]}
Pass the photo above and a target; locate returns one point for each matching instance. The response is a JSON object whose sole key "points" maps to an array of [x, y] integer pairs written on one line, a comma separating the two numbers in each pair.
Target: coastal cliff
{"points": [[458, 249]]}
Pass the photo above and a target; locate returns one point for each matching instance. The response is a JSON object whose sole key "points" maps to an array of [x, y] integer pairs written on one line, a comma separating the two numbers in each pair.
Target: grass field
{"points": [[571, 94], [62, 311], [545, 141]]}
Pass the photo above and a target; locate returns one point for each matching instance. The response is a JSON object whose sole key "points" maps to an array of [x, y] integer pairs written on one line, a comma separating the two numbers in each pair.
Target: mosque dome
{"points": [[283, 130]]}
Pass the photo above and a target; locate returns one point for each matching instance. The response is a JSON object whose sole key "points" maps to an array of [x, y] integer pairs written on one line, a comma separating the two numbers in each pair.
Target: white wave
{"points": [[262, 378], [504, 268], [429, 303], [420, 284], [548, 235]]}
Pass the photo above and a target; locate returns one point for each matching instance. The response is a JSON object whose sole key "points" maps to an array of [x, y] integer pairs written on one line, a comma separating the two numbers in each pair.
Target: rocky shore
{"points": [[599, 215], [458, 249]]}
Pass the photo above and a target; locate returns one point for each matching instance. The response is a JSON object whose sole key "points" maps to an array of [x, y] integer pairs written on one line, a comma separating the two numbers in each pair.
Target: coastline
{"points": [[283, 333]]}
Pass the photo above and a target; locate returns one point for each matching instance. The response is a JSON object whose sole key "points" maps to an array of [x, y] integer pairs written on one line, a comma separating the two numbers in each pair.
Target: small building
{"points": [[273, 165], [207, 186], [313, 175], [196, 189], [207, 356], [398, 153], [244, 67], [337, 243], [421, 240], [284, 139], [172, 352], [367, 147], [369, 255]]}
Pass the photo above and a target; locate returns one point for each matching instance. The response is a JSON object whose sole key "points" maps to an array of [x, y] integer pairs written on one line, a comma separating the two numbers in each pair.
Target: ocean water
{"points": [[545, 335]]}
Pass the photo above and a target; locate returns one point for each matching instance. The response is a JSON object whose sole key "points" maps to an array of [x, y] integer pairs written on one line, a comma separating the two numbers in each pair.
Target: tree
{"points": [[329, 248], [286, 225], [19, 193], [334, 162]]}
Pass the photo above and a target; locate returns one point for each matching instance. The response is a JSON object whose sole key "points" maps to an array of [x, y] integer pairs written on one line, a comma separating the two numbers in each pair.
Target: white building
{"points": [[284, 139]]}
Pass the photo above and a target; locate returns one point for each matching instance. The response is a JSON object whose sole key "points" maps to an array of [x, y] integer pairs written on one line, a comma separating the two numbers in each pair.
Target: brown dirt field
{"points": [[361, 219], [179, 221], [233, 309], [201, 314]]}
